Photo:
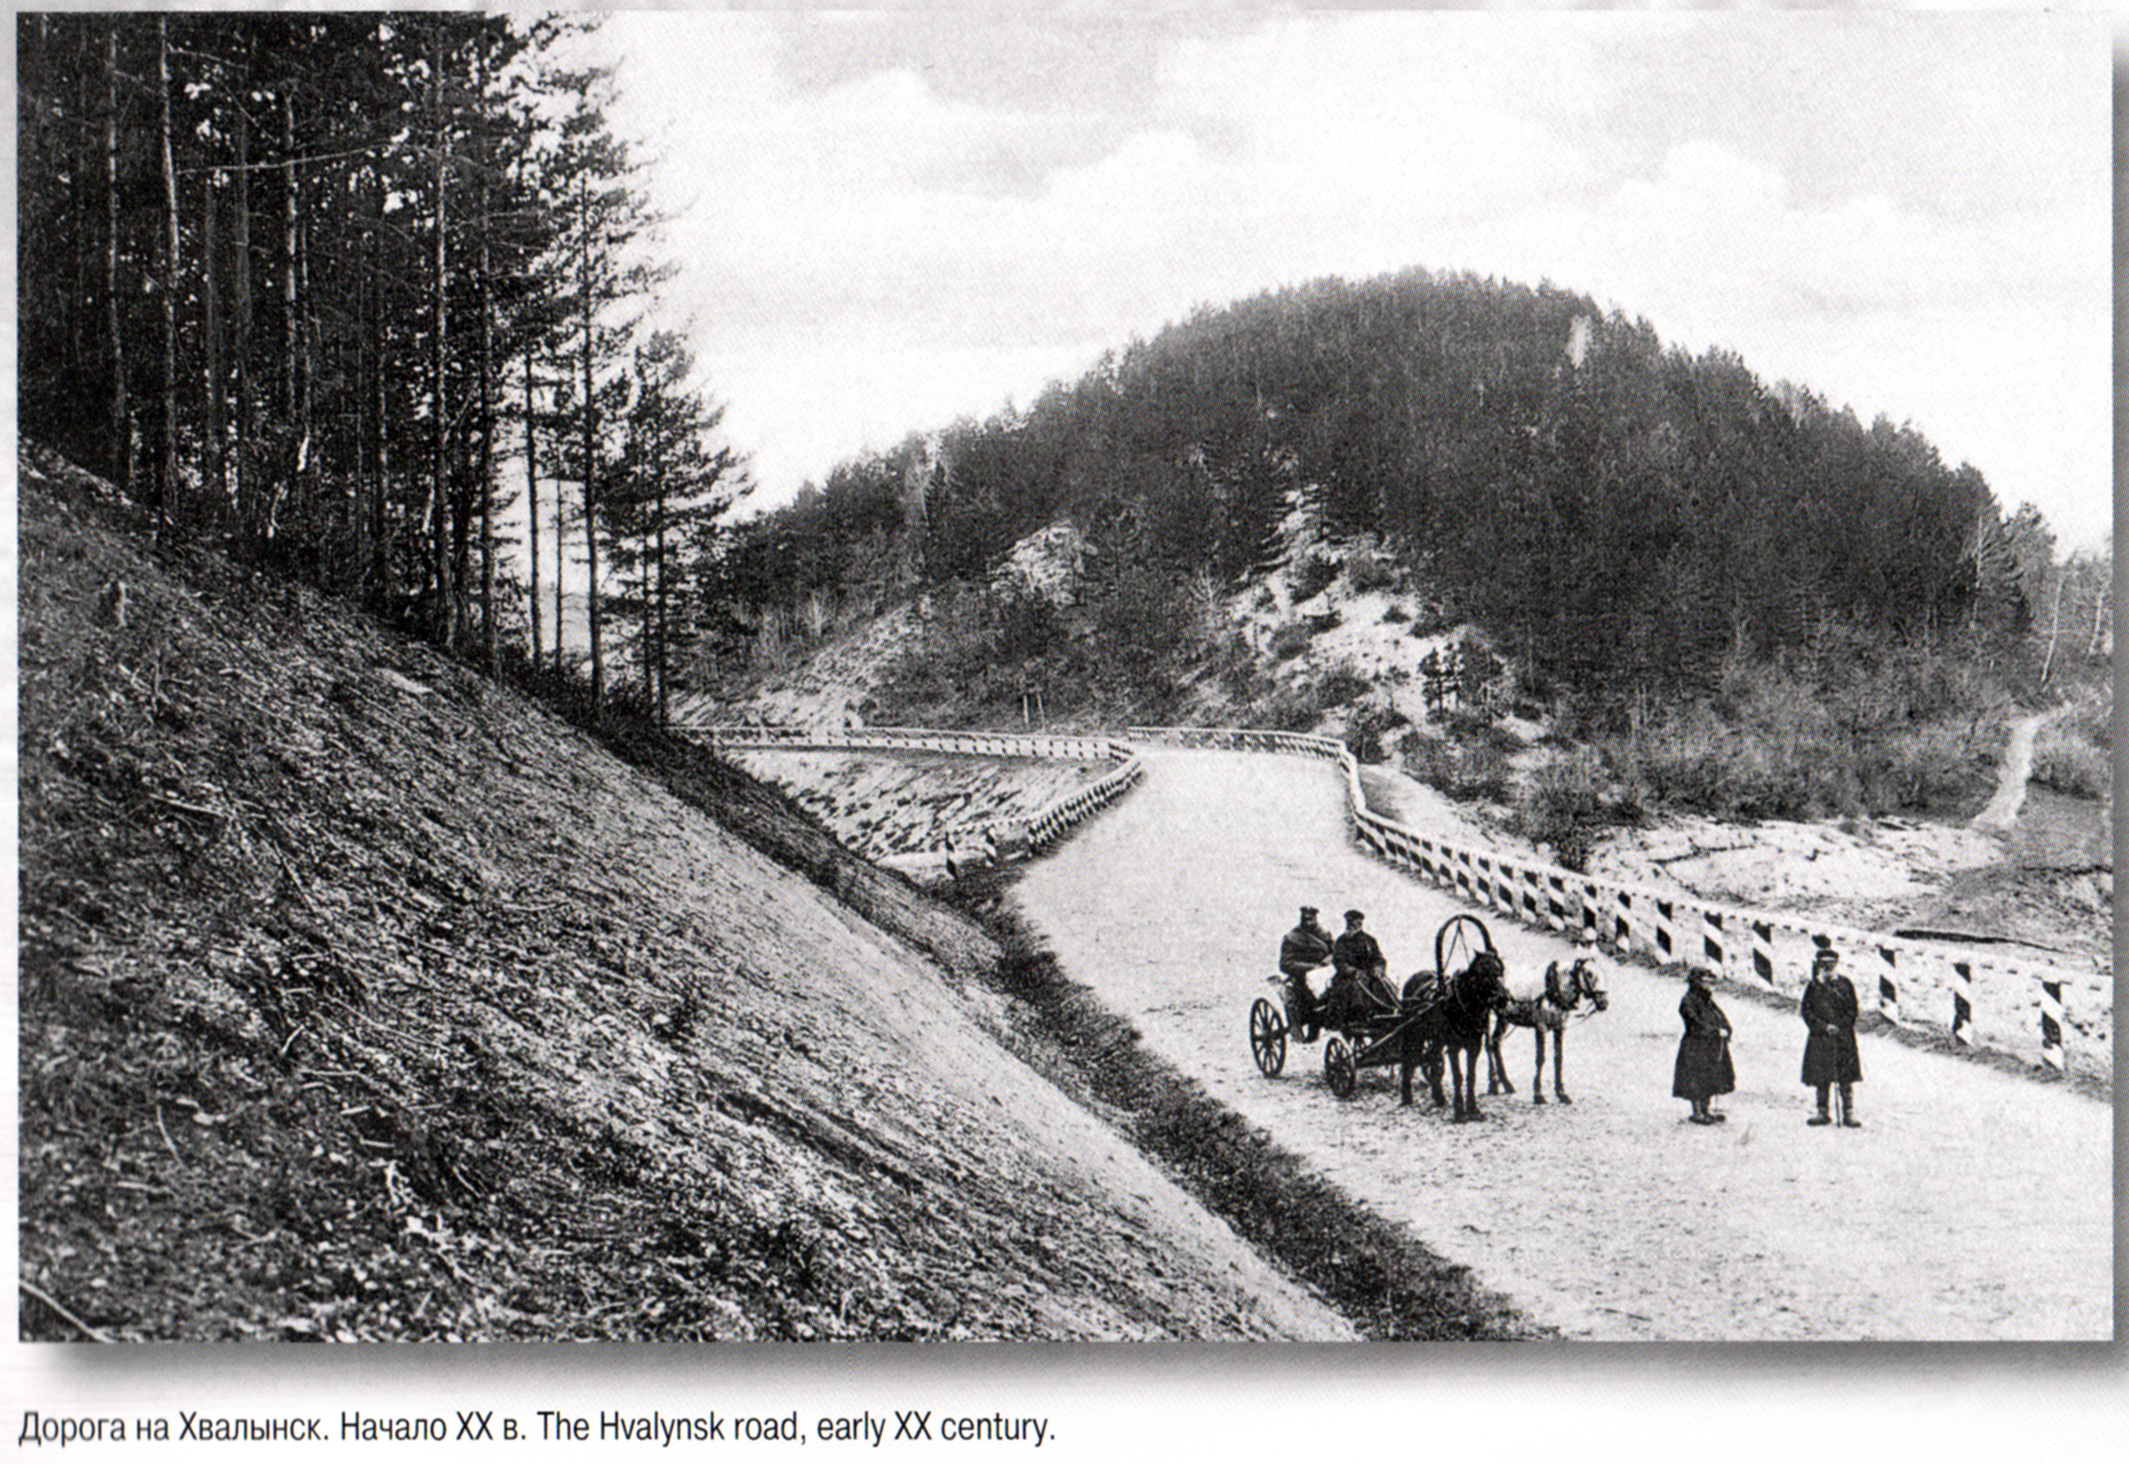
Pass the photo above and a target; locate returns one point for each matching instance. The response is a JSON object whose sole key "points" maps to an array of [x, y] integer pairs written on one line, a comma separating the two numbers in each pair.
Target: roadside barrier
{"points": [[2050, 1016], [1005, 840]]}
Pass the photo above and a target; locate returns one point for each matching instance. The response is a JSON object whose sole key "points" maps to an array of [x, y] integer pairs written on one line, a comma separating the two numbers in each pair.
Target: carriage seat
{"points": [[1367, 997]]}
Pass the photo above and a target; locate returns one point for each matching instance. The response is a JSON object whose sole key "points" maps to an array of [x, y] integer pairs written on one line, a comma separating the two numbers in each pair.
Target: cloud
{"points": [[887, 224]]}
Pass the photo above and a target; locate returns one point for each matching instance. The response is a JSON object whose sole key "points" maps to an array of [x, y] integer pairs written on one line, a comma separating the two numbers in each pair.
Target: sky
{"points": [[886, 220]]}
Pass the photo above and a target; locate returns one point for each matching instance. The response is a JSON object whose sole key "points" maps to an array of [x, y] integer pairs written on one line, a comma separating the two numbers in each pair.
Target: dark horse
{"points": [[1548, 1012], [1450, 1017]]}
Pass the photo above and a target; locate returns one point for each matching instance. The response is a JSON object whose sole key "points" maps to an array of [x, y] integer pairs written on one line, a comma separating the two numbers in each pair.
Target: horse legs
{"points": [[1463, 1063], [1496, 1070], [1537, 1074], [1559, 1065]]}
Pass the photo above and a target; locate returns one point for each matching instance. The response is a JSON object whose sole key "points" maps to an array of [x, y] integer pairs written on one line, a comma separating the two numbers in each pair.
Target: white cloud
{"points": [[1907, 214]]}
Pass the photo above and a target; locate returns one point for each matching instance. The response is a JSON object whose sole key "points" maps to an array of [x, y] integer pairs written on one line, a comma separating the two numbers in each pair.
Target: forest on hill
{"points": [[1614, 513], [1728, 594], [350, 292]]}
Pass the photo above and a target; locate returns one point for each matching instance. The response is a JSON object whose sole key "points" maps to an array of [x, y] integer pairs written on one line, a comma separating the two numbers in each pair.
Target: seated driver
{"points": [[1361, 980], [1306, 947]]}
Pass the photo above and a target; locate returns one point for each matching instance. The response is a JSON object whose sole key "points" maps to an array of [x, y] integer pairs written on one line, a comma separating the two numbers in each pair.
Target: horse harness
{"points": [[1454, 990], [1563, 995]]}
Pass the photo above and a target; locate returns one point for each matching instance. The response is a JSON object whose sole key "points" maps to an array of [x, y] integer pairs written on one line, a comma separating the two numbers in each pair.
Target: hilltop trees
{"points": [[276, 271], [1628, 520]]}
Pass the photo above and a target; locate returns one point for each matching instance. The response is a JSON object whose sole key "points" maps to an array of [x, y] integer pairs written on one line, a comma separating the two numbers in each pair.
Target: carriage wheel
{"points": [[1338, 1069], [1460, 940], [1267, 1037]]}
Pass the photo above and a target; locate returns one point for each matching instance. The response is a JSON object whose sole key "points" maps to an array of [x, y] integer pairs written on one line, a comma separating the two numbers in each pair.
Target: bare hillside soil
{"points": [[360, 1000]]}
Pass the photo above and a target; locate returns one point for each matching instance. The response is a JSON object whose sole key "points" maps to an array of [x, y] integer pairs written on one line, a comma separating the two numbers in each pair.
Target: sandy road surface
{"points": [[1972, 1205]]}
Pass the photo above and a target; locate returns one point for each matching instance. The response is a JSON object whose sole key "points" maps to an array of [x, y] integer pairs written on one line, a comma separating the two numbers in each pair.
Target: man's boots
{"points": [[1848, 1118], [1822, 1117]]}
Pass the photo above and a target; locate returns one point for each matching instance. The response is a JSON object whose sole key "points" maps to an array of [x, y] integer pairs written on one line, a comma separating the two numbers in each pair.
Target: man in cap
{"points": [[1829, 1011], [1361, 971], [1305, 947]]}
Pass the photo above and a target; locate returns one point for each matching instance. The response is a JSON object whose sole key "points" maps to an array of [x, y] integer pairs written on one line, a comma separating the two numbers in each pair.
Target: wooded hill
{"points": [[1621, 517]]}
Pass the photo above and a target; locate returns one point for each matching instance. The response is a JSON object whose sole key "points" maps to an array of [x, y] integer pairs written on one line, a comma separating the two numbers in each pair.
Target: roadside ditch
{"points": [[1388, 1285]]}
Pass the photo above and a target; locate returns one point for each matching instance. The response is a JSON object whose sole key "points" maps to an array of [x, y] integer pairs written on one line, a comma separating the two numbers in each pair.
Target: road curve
{"points": [[1973, 1205]]}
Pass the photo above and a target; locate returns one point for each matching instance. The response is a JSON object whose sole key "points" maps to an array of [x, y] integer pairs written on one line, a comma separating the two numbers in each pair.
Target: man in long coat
{"points": [[1703, 1069], [1829, 1011]]}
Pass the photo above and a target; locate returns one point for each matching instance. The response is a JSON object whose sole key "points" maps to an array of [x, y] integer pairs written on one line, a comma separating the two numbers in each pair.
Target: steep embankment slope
{"points": [[362, 1000]]}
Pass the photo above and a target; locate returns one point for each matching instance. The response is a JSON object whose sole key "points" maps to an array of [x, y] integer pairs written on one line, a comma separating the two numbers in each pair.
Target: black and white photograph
{"points": [[1311, 685]]}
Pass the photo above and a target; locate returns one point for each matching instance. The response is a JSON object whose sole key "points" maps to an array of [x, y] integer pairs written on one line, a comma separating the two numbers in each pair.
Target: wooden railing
{"points": [[2043, 1013]]}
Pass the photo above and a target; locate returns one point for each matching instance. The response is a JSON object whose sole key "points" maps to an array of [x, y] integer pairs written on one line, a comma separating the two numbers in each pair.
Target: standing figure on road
{"points": [[1361, 977], [1306, 947], [1829, 1011], [1703, 1068]]}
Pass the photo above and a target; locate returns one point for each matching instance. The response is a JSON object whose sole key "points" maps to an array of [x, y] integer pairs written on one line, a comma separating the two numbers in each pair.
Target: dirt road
{"points": [[1973, 1205], [2002, 810]]}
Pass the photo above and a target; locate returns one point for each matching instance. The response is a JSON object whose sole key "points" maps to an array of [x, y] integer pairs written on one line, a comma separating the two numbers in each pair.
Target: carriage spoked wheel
{"points": [[1338, 1068], [1267, 1037], [1461, 939]]}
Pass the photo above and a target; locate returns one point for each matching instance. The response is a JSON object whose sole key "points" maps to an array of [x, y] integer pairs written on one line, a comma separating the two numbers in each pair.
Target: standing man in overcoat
{"points": [[1703, 1069], [1829, 1011]]}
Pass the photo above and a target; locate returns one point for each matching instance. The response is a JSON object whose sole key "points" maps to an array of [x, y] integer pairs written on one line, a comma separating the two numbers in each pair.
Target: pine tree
{"points": [[667, 488]]}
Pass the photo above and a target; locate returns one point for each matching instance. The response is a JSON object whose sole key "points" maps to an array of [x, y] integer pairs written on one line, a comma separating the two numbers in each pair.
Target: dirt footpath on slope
{"points": [[1974, 1204]]}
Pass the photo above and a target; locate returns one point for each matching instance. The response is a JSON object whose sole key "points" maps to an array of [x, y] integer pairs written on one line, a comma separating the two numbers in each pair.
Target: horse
{"points": [[1546, 1012], [1542, 1013], [1450, 1016]]}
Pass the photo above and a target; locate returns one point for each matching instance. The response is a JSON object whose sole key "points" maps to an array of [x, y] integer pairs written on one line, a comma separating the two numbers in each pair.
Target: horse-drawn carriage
{"points": [[1443, 1012]]}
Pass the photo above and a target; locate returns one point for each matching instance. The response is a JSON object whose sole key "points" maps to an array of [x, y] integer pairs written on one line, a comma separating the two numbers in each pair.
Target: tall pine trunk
{"points": [[444, 621], [532, 500], [591, 466], [381, 567], [240, 334], [211, 308], [121, 426], [487, 467], [659, 641], [291, 323], [167, 503], [558, 550]]}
